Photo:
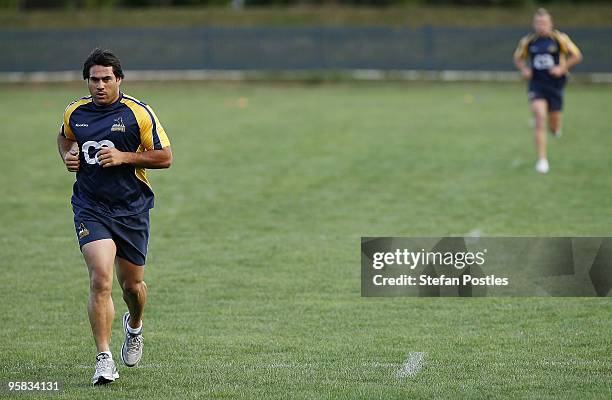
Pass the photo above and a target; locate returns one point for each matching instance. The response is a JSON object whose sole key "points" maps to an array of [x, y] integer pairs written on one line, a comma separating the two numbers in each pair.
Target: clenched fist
{"points": [[111, 157], [557, 71], [526, 73], [71, 158]]}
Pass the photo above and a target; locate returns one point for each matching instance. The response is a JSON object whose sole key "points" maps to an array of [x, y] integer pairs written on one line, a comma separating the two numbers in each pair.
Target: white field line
{"points": [[270, 365], [474, 233], [400, 367], [411, 366]]}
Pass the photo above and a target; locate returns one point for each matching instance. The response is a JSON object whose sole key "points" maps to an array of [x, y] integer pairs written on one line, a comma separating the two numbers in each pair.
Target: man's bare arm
{"points": [[153, 159], [564, 66], [572, 60], [69, 152], [521, 65]]}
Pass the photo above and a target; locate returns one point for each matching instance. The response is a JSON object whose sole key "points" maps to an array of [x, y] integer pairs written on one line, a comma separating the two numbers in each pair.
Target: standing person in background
{"points": [[551, 54]]}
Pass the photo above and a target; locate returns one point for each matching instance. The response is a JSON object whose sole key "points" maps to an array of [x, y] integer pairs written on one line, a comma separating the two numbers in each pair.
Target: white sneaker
{"points": [[131, 349], [542, 166], [557, 134], [106, 371]]}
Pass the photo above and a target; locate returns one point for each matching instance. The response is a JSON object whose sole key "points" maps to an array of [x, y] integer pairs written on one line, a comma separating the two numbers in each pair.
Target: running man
{"points": [[108, 139], [551, 54]]}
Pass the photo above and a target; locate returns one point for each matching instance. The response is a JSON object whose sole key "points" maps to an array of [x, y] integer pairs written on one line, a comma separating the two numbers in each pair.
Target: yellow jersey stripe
{"points": [[66, 129], [161, 132], [522, 50], [566, 45], [141, 173], [152, 134]]}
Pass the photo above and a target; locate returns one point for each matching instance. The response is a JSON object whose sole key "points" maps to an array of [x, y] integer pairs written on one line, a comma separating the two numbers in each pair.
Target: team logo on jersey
{"points": [[118, 125], [83, 231], [552, 48]]}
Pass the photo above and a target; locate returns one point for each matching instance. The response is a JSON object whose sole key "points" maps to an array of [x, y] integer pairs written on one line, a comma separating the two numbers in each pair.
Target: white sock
{"points": [[108, 353], [132, 330]]}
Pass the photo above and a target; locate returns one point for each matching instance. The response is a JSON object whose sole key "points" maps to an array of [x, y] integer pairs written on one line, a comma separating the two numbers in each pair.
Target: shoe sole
{"points": [[103, 380]]}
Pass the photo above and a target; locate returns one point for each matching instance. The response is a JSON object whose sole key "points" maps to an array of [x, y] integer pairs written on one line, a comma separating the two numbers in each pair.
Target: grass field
{"points": [[254, 264]]}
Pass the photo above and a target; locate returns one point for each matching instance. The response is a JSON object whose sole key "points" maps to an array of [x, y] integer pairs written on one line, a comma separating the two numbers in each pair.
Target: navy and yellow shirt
{"points": [[129, 125], [544, 52]]}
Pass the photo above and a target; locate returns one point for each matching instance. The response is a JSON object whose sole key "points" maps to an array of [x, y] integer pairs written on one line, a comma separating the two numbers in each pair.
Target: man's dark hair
{"points": [[104, 58]]}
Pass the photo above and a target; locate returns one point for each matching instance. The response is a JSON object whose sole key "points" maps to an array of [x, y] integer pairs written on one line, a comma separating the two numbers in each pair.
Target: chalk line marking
{"points": [[411, 366]]}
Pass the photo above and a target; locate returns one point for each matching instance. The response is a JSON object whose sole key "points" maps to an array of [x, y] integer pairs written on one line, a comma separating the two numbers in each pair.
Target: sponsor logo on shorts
{"points": [[83, 231], [118, 125]]}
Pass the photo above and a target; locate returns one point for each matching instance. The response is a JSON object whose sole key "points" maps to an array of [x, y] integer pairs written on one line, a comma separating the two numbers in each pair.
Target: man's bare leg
{"points": [[130, 277], [135, 295], [539, 110], [99, 256], [554, 123], [539, 107]]}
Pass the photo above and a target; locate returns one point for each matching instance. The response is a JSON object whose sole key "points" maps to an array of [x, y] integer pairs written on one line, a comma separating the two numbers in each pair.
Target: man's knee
{"points": [[133, 287], [539, 110], [540, 121], [101, 283], [539, 115]]}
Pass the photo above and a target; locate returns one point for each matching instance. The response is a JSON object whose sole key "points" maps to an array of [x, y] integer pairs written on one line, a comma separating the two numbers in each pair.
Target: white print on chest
{"points": [[96, 146]]}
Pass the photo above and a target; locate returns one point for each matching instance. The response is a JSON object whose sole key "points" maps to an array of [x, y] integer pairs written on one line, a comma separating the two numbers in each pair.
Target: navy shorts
{"points": [[552, 95], [130, 233]]}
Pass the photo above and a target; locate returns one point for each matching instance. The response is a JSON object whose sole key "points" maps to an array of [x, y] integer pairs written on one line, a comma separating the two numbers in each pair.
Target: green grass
{"points": [[254, 258], [598, 14]]}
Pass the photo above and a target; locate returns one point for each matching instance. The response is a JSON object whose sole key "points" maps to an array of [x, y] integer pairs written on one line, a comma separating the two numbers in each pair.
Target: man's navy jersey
{"points": [[544, 52], [128, 125]]}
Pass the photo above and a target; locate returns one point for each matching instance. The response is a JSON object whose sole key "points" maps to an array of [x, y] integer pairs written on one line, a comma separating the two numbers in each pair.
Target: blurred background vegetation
{"points": [[79, 4], [415, 13]]}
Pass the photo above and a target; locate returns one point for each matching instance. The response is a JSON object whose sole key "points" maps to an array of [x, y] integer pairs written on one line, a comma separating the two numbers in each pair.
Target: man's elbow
{"points": [[167, 161]]}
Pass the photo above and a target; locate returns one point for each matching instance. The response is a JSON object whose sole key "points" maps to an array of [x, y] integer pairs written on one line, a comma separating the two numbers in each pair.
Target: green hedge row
{"points": [[77, 4]]}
